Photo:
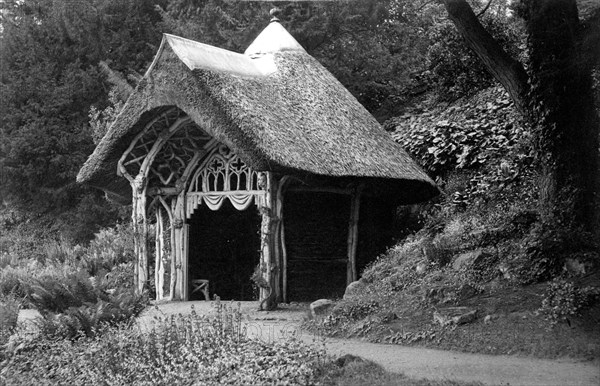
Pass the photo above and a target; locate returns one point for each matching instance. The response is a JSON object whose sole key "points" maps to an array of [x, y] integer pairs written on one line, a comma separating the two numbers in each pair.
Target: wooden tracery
{"points": [[223, 175]]}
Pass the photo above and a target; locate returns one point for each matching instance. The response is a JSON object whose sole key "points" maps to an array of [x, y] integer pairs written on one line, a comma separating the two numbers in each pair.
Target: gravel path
{"points": [[413, 361]]}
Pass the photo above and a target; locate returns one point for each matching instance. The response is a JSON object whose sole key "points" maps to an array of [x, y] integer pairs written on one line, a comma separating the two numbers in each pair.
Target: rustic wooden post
{"points": [[140, 232], [159, 266], [279, 243], [170, 257], [268, 296], [180, 248], [353, 235], [173, 267]]}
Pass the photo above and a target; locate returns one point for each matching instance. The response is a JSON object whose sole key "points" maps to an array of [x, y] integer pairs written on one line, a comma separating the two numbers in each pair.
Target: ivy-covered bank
{"points": [[485, 272]]}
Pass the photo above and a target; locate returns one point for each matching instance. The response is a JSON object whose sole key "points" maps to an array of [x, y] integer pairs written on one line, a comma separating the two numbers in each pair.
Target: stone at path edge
{"points": [[320, 307]]}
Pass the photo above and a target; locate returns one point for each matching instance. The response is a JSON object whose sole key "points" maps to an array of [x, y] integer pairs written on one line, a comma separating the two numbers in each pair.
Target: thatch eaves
{"points": [[275, 106]]}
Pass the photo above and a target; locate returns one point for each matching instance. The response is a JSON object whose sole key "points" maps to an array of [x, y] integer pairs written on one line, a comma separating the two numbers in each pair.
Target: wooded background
{"points": [[67, 67]]}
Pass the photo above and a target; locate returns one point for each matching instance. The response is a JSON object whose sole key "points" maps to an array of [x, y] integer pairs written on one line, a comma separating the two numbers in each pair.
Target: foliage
{"points": [[9, 312], [466, 135], [51, 76], [77, 289], [477, 147], [110, 248], [107, 260], [564, 300], [347, 312], [453, 68], [190, 349], [18, 281], [548, 245], [89, 318], [57, 294]]}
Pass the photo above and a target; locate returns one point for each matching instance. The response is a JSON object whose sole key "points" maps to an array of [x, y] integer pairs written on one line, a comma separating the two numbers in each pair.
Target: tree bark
{"points": [[506, 70], [562, 103], [557, 98]]}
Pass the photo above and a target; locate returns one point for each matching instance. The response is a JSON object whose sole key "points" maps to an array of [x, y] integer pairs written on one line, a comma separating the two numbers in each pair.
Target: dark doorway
{"points": [[316, 236], [224, 248]]}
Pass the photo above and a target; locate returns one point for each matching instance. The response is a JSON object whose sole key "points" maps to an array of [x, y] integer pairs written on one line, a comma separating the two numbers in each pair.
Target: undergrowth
{"points": [[484, 246], [177, 350], [77, 289]]}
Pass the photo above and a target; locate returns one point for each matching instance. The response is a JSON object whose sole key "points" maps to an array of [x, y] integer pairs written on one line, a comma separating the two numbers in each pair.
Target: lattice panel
{"points": [[142, 144], [175, 155]]}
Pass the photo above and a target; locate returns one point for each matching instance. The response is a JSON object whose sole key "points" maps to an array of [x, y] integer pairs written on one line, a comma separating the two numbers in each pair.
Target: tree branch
{"points": [[509, 72], [485, 9]]}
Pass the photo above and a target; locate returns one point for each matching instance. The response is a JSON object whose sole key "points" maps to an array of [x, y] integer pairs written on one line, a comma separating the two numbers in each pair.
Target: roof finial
{"points": [[275, 12]]}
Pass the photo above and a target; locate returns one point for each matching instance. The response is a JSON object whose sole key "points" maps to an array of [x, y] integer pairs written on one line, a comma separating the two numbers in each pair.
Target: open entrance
{"points": [[224, 248]]}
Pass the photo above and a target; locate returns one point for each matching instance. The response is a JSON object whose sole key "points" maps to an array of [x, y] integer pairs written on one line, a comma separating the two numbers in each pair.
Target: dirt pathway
{"points": [[412, 361]]}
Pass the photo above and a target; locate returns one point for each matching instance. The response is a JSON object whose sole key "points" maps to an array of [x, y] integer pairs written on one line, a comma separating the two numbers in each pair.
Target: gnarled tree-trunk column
{"points": [[162, 248], [140, 233], [268, 232], [180, 230], [279, 241], [173, 261], [159, 269]]}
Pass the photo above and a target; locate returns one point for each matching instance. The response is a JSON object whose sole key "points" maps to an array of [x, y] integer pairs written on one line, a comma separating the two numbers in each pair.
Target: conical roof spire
{"points": [[274, 38]]}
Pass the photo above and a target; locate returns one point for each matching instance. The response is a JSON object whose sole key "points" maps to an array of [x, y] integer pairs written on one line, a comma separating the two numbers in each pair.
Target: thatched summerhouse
{"points": [[257, 163]]}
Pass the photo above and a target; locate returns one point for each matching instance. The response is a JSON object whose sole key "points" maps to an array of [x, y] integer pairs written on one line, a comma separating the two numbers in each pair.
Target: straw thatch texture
{"points": [[298, 118]]}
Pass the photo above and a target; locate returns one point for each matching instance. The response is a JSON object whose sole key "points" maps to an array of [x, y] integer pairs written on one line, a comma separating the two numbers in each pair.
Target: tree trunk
{"points": [[556, 97], [562, 103], [506, 70]]}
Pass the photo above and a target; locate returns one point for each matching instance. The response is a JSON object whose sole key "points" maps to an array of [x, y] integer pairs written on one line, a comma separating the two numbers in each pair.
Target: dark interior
{"points": [[377, 226], [316, 234], [224, 248]]}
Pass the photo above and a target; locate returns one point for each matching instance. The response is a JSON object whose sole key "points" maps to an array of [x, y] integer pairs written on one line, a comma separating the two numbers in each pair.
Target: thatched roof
{"points": [[275, 106]]}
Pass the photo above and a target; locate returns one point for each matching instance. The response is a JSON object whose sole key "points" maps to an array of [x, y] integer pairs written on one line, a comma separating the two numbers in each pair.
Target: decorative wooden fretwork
{"points": [[223, 174], [131, 162], [161, 153], [176, 154]]}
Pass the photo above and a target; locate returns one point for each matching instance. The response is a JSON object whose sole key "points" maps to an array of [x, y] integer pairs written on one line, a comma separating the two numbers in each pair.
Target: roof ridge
{"points": [[196, 55]]}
